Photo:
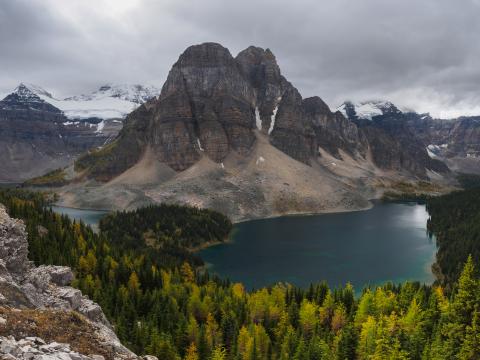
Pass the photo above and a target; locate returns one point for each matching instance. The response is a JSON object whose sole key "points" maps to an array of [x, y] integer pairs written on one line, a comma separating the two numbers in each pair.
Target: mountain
{"points": [[213, 104], [31, 139], [394, 144], [39, 133], [231, 133], [454, 141]]}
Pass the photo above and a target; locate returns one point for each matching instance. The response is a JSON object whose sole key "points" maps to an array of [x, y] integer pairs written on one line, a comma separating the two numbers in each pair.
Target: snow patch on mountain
{"points": [[435, 151], [258, 120], [274, 116], [108, 102], [367, 109], [132, 93], [199, 145], [106, 108], [430, 152], [100, 126], [26, 94], [36, 90]]}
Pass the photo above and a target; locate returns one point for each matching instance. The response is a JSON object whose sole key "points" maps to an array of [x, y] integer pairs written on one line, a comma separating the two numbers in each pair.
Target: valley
{"points": [[239, 180]]}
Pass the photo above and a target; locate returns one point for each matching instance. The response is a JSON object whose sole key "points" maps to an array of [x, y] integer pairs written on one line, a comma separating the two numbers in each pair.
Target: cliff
{"points": [[40, 315]]}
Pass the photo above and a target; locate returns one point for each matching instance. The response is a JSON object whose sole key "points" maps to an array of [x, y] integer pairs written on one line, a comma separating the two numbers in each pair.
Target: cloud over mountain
{"points": [[421, 55]]}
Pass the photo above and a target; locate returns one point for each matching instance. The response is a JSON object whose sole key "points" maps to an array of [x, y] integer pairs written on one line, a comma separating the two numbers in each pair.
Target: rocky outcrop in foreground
{"points": [[36, 348], [37, 301]]}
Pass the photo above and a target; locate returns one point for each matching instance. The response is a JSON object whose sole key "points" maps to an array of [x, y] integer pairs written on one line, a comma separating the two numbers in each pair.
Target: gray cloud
{"points": [[419, 54]]}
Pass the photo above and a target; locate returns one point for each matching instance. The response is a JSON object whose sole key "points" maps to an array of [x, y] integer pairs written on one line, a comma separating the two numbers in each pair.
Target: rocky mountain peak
{"points": [[26, 97], [258, 63], [315, 105], [256, 54], [207, 54], [36, 89], [387, 107]]}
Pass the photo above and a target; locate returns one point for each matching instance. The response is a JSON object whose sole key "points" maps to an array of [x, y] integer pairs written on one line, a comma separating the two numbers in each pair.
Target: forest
{"points": [[161, 303], [455, 222]]}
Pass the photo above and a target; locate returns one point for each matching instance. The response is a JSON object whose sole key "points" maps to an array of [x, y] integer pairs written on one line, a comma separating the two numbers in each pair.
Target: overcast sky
{"points": [[421, 54]]}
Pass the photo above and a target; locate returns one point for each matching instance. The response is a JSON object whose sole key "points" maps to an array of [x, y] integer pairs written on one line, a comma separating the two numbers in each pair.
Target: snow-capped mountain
{"points": [[39, 132], [367, 109], [25, 98], [108, 102]]}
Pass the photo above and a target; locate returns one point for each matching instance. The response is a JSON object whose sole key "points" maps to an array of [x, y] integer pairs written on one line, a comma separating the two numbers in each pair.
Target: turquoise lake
{"points": [[389, 242], [386, 243]]}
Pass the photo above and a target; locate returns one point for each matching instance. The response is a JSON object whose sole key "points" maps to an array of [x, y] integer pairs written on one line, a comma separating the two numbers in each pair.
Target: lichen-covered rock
{"points": [[13, 245], [31, 348], [59, 275]]}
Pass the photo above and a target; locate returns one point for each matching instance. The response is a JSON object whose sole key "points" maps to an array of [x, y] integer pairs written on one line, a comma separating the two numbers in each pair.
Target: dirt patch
{"points": [[52, 325]]}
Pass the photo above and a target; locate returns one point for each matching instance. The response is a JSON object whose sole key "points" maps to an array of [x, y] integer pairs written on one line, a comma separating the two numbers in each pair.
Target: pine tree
{"points": [[470, 349], [467, 295], [191, 353]]}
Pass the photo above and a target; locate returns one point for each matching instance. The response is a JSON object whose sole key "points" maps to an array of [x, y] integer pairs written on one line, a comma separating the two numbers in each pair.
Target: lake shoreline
{"points": [[210, 244], [300, 213], [243, 220]]}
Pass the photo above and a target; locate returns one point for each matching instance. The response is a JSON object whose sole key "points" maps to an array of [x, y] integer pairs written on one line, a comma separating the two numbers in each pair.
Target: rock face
{"points": [[394, 145], [204, 106], [456, 142], [333, 132], [24, 286], [454, 138], [213, 104]]}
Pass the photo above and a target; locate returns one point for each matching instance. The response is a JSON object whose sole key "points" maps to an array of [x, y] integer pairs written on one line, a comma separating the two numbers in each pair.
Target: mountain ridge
{"points": [[454, 141]]}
